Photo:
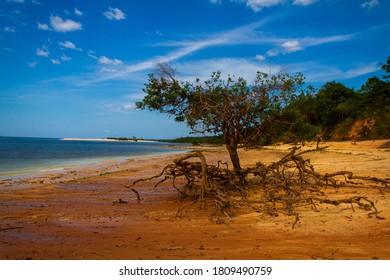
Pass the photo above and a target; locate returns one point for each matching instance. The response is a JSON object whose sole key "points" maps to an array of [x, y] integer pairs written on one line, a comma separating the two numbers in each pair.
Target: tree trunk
{"points": [[231, 146]]}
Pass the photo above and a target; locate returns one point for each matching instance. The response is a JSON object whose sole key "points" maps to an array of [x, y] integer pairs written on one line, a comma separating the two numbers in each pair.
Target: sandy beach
{"points": [[73, 215]]}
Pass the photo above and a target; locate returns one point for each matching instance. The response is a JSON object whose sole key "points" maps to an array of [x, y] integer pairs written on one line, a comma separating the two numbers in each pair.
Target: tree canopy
{"points": [[238, 110]]}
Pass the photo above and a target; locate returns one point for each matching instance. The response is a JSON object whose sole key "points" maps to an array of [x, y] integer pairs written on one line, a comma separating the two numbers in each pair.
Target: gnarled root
{"points": [[286, 184]]}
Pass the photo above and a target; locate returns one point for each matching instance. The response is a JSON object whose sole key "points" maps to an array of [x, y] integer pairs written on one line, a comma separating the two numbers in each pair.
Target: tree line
{"points": [[335, 109]]}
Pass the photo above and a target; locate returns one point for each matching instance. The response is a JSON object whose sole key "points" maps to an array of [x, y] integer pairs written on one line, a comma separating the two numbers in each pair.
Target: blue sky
{"points": [[76, 68]]}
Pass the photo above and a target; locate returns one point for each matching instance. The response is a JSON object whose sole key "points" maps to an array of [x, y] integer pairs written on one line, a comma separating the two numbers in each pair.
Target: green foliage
{"points": [[196, 141], [335, 108], [386, 68], [334, 103]]}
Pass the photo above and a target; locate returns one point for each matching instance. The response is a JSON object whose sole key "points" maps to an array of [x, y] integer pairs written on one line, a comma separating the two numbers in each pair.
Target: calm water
{"points": [[20, 156]]}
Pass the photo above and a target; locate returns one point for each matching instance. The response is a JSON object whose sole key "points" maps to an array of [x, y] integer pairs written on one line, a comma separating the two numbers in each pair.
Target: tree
{"points": [[334, 103], [386, 68], [239, 111]]}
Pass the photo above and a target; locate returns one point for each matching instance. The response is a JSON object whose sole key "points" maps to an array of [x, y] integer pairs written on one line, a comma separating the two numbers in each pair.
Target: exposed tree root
{"points": [[283, 186], [136, 192]]}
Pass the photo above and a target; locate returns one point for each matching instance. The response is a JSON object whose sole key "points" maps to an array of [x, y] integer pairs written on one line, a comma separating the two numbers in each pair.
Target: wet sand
{"points": [[72, 215]]}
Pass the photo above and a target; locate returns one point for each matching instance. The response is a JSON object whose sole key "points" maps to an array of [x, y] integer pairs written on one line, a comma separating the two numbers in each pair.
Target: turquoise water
{"points": [[22, 155]]}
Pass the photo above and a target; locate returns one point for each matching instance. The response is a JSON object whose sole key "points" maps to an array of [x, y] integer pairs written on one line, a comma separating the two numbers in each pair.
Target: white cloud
{"points": [[108, 70], [43, 26], [304, 2], [109, 61], [69, 45], [42, 52], [61, 25], [114, 13], [55, 61], [292, 46], [91, 54], [258, 5], [65, 58], [298, 44], [260, 57], [370, 4], [16, 1], [120, 108], [78, 12]]}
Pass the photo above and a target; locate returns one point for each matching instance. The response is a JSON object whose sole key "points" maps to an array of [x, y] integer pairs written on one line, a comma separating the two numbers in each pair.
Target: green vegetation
{"points": [[339, 112], [196, 141], [124, 139]]}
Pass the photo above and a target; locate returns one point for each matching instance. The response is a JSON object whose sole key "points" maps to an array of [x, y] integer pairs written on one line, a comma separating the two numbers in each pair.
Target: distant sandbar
{"points": [[105, 139]]}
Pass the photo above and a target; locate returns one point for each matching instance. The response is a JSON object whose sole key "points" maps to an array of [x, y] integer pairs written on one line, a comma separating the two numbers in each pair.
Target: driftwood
{"points": [[283, 185]]}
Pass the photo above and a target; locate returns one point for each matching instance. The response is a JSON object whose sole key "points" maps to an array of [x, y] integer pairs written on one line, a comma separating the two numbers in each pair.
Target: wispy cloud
{"points": [[16, 1], [42, 52], [304, 2], [43, 26], [239, 35], [370, 4], [108, 70], [239, 67], [260, 57], [297, 44], [247, 34], [78, 12], [55, 61], [114, 14], [65, 58], [115, 69], [362, 70], [109, 61], [33, 64], [258, 5], [120, 108], [69, 45], [66, 25], [9, 29], [316, 72], [292, 46]]}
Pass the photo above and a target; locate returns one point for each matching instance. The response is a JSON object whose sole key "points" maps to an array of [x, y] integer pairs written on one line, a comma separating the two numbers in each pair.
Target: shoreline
{"points": [[87, 168]]}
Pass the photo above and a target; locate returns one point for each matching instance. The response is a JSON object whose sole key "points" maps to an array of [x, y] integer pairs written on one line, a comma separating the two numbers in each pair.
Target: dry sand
{"points": [[72, 215]]}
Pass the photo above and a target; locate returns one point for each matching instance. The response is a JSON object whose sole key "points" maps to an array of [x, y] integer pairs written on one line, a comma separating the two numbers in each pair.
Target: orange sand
{"points": [[71, 215]]}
